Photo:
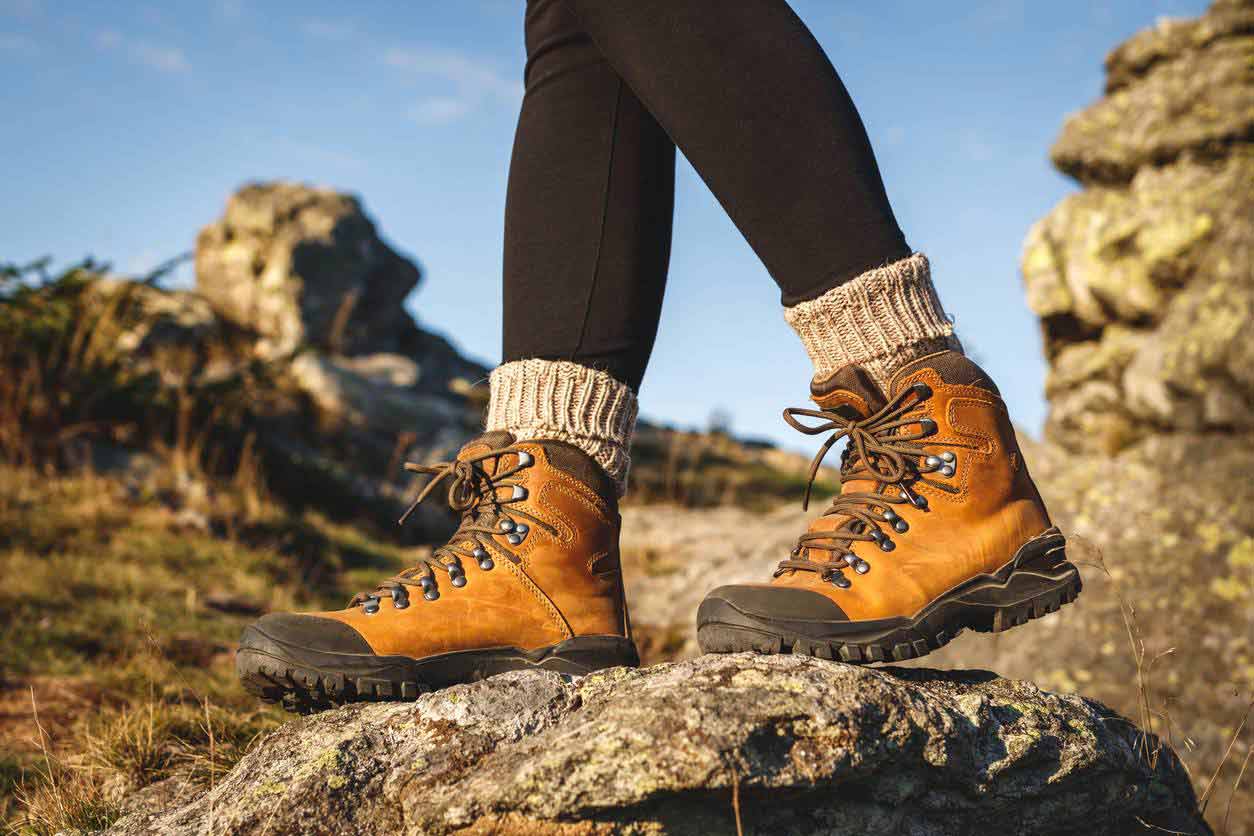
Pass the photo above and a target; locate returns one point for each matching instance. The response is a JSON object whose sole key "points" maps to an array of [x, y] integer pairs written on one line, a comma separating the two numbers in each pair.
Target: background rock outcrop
{"points": [[300, 301], [302, 265], [786, 744], [1144, 281]]}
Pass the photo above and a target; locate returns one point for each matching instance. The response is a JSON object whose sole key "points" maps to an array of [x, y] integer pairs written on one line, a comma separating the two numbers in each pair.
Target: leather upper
{"points": [[550, 587], [976, 530]]}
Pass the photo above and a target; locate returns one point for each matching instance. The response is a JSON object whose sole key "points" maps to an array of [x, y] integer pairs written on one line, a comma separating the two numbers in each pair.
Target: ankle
{"points": [[564, 401], [880, 320]]}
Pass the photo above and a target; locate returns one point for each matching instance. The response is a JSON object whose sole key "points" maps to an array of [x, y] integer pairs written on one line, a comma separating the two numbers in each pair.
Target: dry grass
{"points": [[1154, 709], [121, 630]]}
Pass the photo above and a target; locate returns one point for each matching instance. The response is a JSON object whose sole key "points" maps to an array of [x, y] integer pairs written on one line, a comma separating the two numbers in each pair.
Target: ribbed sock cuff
{"points": [[879, 320], [566, 401]]}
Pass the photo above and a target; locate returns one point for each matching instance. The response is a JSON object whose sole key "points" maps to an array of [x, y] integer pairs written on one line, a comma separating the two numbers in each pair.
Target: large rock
{"points": [[786, 744], [302, 265], [1144, 282], [1183, 87], [297, 323]]}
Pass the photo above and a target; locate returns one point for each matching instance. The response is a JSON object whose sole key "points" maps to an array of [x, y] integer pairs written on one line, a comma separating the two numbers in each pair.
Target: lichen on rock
{"points": [[804, 746], [1144, 281]]}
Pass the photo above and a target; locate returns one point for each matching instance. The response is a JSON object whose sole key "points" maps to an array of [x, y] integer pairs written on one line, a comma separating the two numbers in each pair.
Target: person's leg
{"points": [[932, 473], [748, 95], [587, 242]]}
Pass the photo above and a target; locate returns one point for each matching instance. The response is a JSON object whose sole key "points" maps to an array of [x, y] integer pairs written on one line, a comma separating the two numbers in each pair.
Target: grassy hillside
{"points": [[122, 607]]}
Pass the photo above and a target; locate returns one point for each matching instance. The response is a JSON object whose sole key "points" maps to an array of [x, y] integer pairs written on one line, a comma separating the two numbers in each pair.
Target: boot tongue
{"points": [[852, 393], [849, 392], [493, 440], [953, 367]]}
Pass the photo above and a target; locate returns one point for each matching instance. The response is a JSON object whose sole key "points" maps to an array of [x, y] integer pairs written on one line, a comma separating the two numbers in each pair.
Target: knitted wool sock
{"points": [[879, 320], [566, 401]]}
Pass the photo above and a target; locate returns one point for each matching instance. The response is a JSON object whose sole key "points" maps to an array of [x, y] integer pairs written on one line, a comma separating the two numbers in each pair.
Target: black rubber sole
{"points": [[1039, 580], [302, 679]]}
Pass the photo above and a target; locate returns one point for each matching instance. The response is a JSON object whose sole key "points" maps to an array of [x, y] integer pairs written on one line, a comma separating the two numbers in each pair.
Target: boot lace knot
{"points": [[488, 503], [882, 447]]}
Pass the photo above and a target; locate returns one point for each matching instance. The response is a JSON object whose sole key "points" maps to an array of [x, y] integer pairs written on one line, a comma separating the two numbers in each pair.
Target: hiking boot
{"points": [[530, 579], [937, 528]]}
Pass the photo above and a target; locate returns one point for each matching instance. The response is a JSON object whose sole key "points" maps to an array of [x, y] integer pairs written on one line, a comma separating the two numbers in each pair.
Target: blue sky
{"points": [[128, 124]]}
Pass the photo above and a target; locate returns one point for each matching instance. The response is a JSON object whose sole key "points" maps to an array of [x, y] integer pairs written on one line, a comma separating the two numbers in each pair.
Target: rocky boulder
{"points": [[1181, 88], [301, 265], [297, 324], [1144, 281], [764, 744]]}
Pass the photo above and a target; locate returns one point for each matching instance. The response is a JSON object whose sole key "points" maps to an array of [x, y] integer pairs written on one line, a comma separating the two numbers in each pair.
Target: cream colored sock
{"points": [[879, 320], [568, 402]]}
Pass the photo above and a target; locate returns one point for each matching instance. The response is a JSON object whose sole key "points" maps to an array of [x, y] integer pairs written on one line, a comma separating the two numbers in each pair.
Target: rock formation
{"points": [[787, 744], [304, 267], [1144, 281], [299, 266], [295, 288]]}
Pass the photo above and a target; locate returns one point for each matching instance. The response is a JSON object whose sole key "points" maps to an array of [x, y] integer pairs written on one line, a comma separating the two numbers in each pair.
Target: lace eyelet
{"points": [[918, 500], [400, 598], [431, 594], [892, 518], [519, 493], [887, 545], [370, 606], [513, 539], [856, 563], [838, 580], [486, 564], [921, 390], [506, 525], [927, 426], [525, 459]]}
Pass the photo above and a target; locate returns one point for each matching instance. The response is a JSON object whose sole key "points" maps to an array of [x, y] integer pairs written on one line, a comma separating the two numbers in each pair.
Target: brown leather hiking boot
{"points": [[530, 579], [938, 527]]}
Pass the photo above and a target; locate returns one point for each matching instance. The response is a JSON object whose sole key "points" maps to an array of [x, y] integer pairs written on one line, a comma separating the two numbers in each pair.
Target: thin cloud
{"points": [[160, 57], [472, 83], [440, 110]]}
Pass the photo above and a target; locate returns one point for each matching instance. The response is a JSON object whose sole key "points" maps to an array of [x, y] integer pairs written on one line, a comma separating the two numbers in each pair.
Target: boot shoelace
{"points": [[880, 448], [486, 514]]}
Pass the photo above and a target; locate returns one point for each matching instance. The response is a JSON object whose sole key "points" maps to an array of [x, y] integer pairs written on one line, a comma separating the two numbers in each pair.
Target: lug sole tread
{"points": [[906, 643], [304, 689]]}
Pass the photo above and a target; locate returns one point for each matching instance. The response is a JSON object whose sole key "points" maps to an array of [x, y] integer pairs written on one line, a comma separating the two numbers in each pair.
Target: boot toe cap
{"points": [[769, 603], [304, 632]]}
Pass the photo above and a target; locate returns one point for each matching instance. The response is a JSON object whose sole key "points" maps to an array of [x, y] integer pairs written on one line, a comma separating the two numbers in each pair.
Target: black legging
{"points": [[612, 86]]}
